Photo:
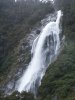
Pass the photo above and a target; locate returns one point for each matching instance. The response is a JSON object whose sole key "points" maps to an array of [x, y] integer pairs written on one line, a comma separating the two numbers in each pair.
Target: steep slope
{"points": [[59, 81], [16, 22]]}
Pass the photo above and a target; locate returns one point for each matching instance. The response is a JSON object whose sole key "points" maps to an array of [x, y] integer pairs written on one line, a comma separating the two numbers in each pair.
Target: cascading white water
{"points": [[45, 48]]}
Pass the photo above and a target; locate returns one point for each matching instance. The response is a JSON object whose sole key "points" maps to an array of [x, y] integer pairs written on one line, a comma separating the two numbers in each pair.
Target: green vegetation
{"points": [[59, 81], [16, 21], [17, 96], [60, 76]]}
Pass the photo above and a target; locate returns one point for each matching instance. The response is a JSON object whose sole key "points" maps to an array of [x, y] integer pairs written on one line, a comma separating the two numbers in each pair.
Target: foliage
{"points": [[17, 96], [59, 80], [16, 21], [68, 8], [60, 76]]}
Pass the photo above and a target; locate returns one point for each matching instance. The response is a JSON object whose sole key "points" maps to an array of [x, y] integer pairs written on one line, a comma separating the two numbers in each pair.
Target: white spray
{"points": [[48, 42]]}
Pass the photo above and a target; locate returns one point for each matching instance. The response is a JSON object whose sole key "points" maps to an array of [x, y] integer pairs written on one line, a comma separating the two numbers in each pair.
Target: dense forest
{"points": [[16, 20], [59, 81]]}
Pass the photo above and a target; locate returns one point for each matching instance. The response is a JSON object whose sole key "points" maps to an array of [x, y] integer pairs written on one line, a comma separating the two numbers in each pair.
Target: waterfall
{"points": [[45, 49]]}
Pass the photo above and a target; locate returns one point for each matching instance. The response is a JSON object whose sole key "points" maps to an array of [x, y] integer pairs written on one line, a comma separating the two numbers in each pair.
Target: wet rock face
{"points": [[24, 51], [23, 56], [38, 32]]}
